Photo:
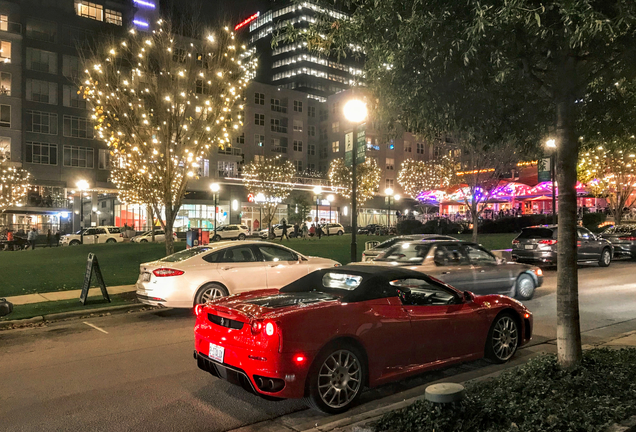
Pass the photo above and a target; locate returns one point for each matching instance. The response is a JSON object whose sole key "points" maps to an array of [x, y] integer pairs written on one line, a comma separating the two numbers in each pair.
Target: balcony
{"points": [[230, 151], [11, 27]]}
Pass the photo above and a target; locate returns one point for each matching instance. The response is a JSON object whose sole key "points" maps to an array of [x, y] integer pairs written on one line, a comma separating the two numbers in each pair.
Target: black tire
{"points": [[241, 236], [201, 297], [143, 241], [340, 350], [493, 350], [111, 240], [216, 238], [74, 243], [341, 232], [524, 287], [606, 258]]}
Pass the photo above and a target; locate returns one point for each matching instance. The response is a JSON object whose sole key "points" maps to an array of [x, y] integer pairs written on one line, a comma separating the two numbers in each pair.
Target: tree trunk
{"points": [[475, 224], [568, 320], [151, 216], [169, 224]]}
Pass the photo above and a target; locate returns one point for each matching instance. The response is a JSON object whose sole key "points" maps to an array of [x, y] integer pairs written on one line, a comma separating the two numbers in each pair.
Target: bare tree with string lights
{"points": [[161, 102], [14, 185], [416, 177], [368, 173]]}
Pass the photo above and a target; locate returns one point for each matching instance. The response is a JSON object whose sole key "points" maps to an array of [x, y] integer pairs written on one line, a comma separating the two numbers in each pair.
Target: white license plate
{"points": [[529, 246], [216, 352], [145, 277]]}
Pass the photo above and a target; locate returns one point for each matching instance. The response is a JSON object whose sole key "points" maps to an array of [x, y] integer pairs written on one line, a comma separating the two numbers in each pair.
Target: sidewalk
{"points": [[65, 295]]}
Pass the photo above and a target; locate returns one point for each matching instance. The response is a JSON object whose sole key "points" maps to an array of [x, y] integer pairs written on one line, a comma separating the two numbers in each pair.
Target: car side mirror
{"points": [[501, 260], [469, 297]]}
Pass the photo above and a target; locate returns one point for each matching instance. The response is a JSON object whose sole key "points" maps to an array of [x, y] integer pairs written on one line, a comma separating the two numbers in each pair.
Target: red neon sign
{"points": [[246, 21]]}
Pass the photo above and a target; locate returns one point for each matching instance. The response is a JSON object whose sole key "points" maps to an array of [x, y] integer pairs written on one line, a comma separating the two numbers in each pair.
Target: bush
{"points": [[537, 397], [440, 226], [591, 221], [408, 226], [512, 224]]}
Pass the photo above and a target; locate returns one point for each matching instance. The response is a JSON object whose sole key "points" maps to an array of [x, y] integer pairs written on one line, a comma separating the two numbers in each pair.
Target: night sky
{"points": [[234, 10]]}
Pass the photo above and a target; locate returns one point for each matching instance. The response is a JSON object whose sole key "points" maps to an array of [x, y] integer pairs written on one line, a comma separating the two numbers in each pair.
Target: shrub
{"points": [[591, 221], [439, 226], [513, 224], [408, 226], [537, 397]]}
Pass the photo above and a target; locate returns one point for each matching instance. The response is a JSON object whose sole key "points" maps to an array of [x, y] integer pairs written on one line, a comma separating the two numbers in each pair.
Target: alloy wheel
{"points": [[607, 259], [505, 338], [339, 379], [525, 287], [211, 294]]}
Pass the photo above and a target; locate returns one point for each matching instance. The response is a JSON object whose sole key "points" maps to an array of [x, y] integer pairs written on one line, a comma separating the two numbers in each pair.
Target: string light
{"points": [[14, 185], [271, 181], [369, 175], [418, 176], [161, 116]]}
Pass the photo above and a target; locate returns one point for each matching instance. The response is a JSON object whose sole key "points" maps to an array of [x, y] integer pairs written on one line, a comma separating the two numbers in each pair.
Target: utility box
{"points": [[197, 237]]}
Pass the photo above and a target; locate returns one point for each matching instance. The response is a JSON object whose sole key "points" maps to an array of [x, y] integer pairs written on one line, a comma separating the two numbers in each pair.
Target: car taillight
{"points": [[627, 238], [548, 242], [259, 326], [515, 242], [166, 272]]}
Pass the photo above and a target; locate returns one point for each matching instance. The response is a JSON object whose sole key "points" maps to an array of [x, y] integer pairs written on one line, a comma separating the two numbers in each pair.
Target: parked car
{"points": [[538, 244], [6, 307], [623, 238], [332, 229], [203, 273], [104, 234], [327, 335], [370, 229], [230, 232], [369, 255], [278, 231], [160, 236], [464, 265]]}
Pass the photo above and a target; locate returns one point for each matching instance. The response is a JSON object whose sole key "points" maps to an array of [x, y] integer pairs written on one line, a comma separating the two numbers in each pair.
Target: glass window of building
{"points": [[80, 157], [70, 66], [4, 22], [335, 127], [279, 145], [103, 161], [259, 140], [298, 145], [419, 148], [390, 162], [89, 10], [388, 183], [41, 122], [298, 165], [259, 98], [5, 116], [259, 119], [5, 83], [311, 130], [298, 106], [408, 146], [77, 127], [311, 149], [41, 61], [311, 111], [41, 91], [113, 17], [5, 149], [41, 153], [72, 99], [298, 126], [5, 51], [335, 146], [278, 106], [41, 30]]}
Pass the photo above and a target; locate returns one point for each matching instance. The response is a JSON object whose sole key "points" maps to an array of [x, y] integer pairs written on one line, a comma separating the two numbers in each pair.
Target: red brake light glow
{"points": [[627, 238], [548, 242], [166, 272], [299, 358], [515, 242]]}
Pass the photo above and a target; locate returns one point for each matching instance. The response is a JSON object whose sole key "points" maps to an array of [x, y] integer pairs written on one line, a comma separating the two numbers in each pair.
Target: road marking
{"points": [[95, 327]]}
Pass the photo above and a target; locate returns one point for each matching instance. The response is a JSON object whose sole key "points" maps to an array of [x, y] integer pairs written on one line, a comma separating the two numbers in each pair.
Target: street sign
{"points": [[544, 170], [361, 146], [92, 265]]}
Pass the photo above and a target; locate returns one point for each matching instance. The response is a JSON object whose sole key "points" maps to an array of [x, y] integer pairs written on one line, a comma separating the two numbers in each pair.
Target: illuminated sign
{"points": [[145, 3], [140, 23], [246, 21]]}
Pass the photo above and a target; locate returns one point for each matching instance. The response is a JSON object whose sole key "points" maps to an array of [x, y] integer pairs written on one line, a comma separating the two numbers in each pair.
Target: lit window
{"points": [[388, 183], [298, 126], [4, 22], [5, 51], [5, 116], [5, 83], [89, 10], [5, 149], [335, 146], [390, 162], [113, 17], [335, 127]]}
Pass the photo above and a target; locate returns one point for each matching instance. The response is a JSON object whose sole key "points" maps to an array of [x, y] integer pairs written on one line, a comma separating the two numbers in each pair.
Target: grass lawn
{"points": [[62, 269], [45, 308]]}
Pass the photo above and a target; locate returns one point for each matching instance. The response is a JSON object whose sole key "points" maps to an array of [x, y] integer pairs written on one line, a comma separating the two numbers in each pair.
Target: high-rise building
{"points": [[291, 65]]}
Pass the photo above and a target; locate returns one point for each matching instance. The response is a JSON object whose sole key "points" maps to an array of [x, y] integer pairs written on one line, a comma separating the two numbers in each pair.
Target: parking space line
{"points": [[95, 327]]}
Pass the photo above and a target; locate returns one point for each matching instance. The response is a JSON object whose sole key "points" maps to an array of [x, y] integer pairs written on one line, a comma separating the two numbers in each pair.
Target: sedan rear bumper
{"points": [[534, 256]]}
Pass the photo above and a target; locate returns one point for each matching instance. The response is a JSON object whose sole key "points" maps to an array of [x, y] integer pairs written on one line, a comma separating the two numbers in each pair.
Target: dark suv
{"points": [[538, 244], [623, 238]]}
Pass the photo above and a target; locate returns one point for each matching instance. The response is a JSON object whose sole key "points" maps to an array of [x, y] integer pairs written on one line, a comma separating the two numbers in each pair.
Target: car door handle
{"points": [[227, 268], [445, 272], [482, 271], [273, 265]]}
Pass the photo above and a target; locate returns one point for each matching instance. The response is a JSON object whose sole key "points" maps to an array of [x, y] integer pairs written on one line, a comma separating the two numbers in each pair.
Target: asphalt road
{"points": [[136, 372]]}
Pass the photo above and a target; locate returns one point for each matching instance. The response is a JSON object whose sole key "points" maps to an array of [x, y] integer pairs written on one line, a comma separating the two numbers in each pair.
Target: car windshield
{"points": [[186, 254], [406, 253], [388, 243], [537, 233], [79, 232]]}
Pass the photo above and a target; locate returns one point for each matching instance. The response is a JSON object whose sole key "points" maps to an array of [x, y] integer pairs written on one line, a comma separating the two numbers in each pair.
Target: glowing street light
{"points": [[355, 111], [551, 145]]}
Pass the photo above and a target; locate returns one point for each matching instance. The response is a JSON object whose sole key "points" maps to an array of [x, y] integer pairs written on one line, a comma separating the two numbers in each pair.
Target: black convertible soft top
{"points": [[374, 284]]}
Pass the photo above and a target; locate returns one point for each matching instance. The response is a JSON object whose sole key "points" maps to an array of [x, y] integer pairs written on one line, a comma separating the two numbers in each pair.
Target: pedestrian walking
{"points": [[319, 231], [32, 237], [57, 238], [49, 239], [305, 231], [296, 230], [284, 231]]}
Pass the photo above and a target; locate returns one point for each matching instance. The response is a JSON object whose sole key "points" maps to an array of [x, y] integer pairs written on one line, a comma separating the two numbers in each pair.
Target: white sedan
{"points": [[160, 237], [199, 274]]}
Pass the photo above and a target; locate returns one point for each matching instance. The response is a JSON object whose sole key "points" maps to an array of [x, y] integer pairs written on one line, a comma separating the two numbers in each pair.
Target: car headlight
{"points": [[538, 272]]}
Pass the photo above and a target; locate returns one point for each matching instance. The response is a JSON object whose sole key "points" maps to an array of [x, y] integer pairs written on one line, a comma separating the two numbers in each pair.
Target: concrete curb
{"points": [[5, 325]]}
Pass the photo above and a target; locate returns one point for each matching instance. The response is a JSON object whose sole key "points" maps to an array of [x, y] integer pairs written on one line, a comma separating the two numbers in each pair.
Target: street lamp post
{"points": [[317, 192], [82, 185], [551, 144], [214, 187], [330, 198], [355, 111]]}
